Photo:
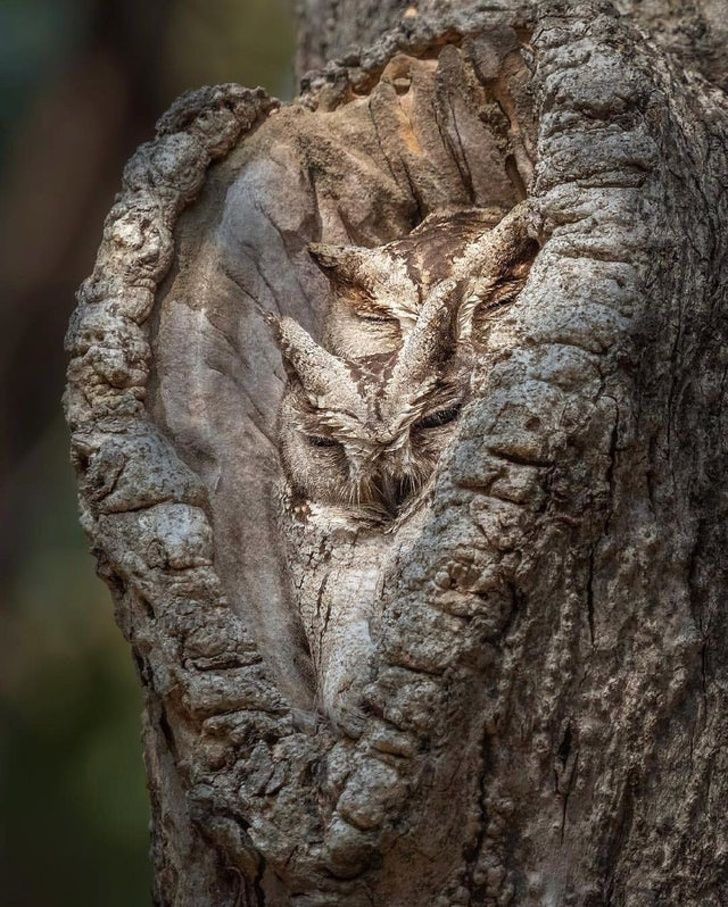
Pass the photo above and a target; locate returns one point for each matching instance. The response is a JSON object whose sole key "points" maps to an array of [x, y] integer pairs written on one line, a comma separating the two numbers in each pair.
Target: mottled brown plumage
{"points": [[367, 415]]}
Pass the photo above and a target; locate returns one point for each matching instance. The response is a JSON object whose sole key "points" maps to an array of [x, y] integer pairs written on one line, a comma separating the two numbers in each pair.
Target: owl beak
{"points": [[396, 486]]}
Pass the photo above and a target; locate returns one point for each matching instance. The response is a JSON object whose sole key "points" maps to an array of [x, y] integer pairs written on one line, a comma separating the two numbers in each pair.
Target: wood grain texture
{"points": [[545, 719]]}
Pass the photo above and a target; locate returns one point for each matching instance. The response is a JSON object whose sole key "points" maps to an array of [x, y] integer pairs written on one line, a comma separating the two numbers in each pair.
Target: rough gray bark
{"points": [[697, 32], [543, 721]]}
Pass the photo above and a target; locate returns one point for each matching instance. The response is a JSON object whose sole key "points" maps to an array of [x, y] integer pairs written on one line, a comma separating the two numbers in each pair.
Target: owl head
{"points": [[367, 435], [367, 415]]}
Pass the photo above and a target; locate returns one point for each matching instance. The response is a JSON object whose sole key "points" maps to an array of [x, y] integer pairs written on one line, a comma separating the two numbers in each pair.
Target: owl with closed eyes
{"points": [[368, 412], [366, 433]]}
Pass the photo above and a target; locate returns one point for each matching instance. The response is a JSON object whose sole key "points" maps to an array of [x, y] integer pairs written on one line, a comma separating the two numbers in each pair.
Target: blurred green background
{"points": [[81, 84]]}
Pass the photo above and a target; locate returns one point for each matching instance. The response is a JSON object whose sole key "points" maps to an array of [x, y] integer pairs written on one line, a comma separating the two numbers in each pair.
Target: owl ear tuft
{"points": [[428, 345], [342, 264], [498, 260], [321, 374], [377, 276]]}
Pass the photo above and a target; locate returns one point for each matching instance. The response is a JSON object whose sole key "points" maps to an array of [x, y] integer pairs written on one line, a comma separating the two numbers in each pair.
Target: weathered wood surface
{"points": [[697, 32], [545, 719]]}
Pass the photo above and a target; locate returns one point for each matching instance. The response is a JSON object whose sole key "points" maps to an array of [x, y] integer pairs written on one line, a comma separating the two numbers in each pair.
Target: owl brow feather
{"points": [[379, 275], [412, 409], [320, 373], [340, 425]]}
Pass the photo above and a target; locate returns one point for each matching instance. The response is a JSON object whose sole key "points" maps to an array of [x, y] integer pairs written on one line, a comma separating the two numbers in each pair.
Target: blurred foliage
{"points": [[204, 38], [74, 807], [36, 38], [81, 83]]}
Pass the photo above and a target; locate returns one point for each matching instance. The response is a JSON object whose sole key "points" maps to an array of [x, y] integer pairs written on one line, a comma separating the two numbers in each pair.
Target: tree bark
{"points": [[696, 32], [535, 655]]}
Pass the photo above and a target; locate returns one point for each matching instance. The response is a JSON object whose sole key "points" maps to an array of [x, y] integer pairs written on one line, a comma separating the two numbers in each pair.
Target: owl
{"points": [[367, 413]]}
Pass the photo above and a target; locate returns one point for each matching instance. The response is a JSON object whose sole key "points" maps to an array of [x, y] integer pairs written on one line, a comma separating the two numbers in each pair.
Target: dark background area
{"points": [[81, 85]]}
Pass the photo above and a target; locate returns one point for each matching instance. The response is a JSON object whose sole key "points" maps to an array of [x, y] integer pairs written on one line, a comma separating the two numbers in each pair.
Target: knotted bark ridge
{"points": [[549, 654]]}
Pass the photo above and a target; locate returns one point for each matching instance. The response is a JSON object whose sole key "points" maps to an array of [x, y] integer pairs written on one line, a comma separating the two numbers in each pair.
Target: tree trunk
{"points": [[696, 31], [417, 533]]}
